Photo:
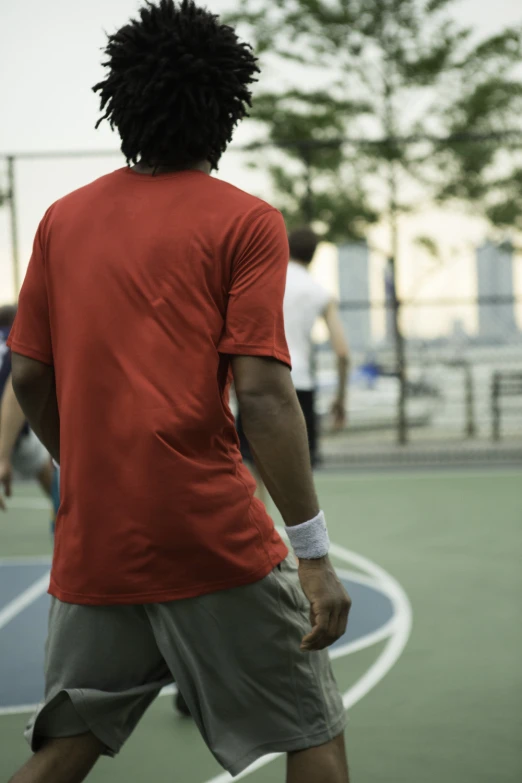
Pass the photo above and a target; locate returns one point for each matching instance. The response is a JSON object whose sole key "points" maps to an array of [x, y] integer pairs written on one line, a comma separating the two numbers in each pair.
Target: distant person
{"points": [[305, 301], [20, 449], [147, 291]]}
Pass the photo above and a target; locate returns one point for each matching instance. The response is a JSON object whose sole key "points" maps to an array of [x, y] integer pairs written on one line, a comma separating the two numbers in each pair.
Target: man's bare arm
{"points": [[276, 431], [35, 389], [11, 421], [342, 351]]}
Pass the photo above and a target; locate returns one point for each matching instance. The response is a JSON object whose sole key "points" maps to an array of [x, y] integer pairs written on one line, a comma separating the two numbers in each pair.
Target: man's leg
{"points": [[65, 760], [324, 764], [249, 687], [45, 478], [103, 669]]}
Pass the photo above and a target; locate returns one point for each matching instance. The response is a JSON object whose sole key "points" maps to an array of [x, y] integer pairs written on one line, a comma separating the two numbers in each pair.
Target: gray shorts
{"points": [[234, 655]]}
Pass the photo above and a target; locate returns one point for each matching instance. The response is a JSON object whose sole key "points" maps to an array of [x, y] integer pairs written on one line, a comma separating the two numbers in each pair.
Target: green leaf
{"points": [[430, 246], [506, 213], [435, 6], [361, 65], [504, 45]]}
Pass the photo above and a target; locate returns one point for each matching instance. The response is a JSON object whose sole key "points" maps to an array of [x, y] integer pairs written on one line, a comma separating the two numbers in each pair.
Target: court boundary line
{"points": [[29, 504], [370, 639], [362, 643], [384, 663], [428, 473], [18, 710], [27, 560], [24, 599]]}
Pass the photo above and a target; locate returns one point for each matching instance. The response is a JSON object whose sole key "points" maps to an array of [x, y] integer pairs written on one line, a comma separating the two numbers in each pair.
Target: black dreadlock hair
{"points": [[177, 84]]}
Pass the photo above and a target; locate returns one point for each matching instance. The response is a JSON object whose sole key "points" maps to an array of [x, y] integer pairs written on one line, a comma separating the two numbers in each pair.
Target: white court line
{"points": [[25, 599], [371, 638], [364, 642], [376, 581], [362, 579], [18, 710], [27, 560], [418, 475], [170, 690], [9, 612], [386, 660], [29, 504]]}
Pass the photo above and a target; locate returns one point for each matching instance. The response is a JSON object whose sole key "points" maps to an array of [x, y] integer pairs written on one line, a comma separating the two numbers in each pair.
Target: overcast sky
{"points": [[50, 57]]}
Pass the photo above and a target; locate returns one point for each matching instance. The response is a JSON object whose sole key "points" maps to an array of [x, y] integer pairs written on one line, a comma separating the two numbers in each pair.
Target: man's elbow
{"points": [[256, 405], [263, 408]]}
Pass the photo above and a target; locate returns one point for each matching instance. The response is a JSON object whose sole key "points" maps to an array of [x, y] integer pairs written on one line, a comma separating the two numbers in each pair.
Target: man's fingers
{"points": [[342, 621], [317, 638], [7, 486], [327, 627], [333, 628]]}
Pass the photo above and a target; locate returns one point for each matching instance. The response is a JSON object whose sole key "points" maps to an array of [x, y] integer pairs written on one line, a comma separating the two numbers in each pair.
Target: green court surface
{"points": [[444, 705]]}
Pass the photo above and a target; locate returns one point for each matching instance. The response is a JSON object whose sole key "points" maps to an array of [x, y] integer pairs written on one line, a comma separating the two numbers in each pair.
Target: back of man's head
{"points": [[177, 85], [303, 244]]}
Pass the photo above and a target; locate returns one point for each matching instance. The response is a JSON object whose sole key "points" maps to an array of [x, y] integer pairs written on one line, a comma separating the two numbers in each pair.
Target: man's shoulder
{"points": [[238, 200], [91, 189], [79, 197]]}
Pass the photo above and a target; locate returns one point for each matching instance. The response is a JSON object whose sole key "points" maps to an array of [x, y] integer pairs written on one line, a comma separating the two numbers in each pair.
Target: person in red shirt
{"points": [[147, 292]]}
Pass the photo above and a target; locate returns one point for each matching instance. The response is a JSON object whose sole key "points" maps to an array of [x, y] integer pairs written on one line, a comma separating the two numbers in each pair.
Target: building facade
{"points": [[354, 288], [497, 321]]}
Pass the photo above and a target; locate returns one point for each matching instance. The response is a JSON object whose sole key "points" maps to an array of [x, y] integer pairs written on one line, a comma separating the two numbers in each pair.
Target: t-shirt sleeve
{"points": [[254, 324], [31, 332]]}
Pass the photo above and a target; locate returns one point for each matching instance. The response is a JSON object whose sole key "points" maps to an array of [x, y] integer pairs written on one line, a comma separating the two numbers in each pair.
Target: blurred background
{"points": [[394, 129]]}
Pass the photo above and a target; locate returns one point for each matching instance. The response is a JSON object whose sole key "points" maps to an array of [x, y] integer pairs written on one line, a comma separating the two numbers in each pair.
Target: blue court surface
{"points": [[24, 607]]}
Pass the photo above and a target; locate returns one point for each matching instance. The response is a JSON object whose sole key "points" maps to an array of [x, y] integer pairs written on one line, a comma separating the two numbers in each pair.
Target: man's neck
{"points": [[145, 168]]}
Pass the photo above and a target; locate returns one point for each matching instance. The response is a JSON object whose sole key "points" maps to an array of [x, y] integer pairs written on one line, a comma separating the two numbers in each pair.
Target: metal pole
{"points": [[400, 362], [495, 406], [11, 198], [400, 354], [471, 427]]}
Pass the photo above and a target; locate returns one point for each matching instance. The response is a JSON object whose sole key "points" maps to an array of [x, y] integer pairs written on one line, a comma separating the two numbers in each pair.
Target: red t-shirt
{"points": [[138, 290]]}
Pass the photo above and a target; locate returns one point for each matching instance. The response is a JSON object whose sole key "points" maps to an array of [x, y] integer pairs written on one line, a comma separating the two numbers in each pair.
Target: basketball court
{"points": [[428, 669]]}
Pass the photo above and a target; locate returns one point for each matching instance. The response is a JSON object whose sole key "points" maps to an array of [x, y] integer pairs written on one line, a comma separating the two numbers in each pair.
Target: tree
{"points": [[315, 181], [409, 87]]}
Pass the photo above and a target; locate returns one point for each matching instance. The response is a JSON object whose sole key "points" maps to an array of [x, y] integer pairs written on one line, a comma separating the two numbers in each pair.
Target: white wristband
{"points": [[310, 540]]}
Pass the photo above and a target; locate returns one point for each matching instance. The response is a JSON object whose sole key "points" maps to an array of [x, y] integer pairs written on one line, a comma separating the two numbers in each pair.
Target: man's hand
{"points": [[329, 603], [339, 415], [6, 477]]}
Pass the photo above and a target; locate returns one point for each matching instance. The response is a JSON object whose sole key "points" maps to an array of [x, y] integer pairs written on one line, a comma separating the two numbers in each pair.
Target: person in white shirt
{"points": [[306, 301]]}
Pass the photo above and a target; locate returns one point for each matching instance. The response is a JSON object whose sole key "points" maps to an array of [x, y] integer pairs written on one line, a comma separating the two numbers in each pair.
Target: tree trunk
{"points": [[400, 353]]}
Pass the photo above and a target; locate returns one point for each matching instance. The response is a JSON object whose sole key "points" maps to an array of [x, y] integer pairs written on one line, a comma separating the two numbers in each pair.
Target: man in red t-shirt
{"points": [[147, 292]]}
